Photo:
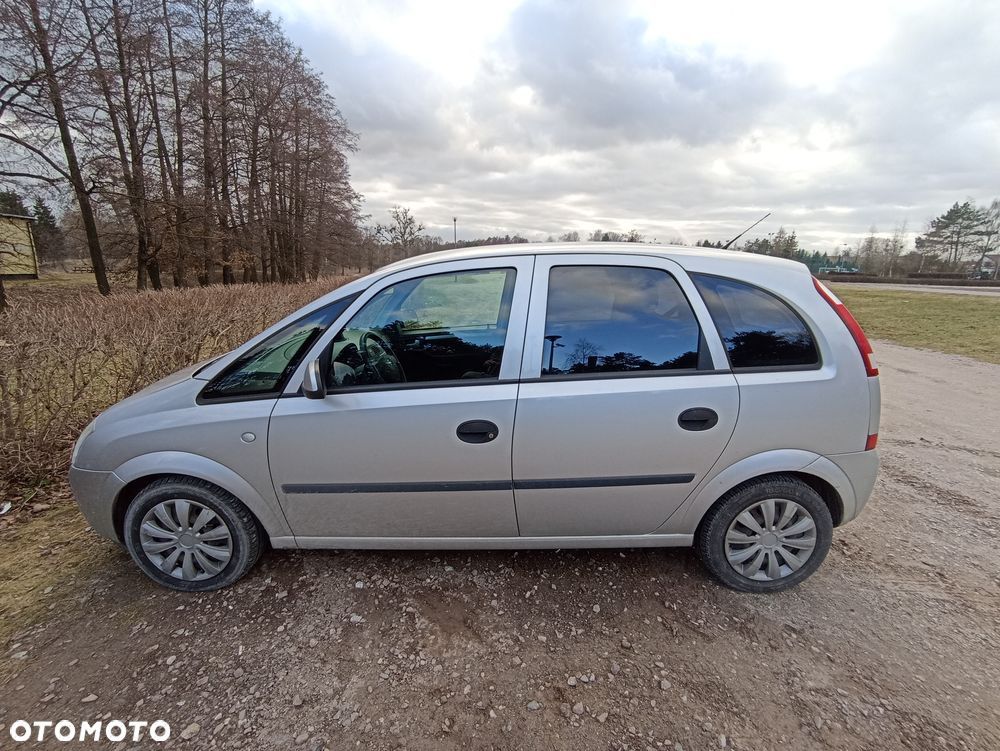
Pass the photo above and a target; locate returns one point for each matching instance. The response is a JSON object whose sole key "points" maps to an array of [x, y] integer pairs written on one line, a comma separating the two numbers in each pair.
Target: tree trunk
{"points": [[206, 150], [295, 200], [72, 162], [131, 158], [224, 205], [180, 211]]}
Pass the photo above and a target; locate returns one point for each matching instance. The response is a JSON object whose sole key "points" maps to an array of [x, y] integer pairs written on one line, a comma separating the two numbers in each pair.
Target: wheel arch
{"points": [[818, 472], [139, 472]]}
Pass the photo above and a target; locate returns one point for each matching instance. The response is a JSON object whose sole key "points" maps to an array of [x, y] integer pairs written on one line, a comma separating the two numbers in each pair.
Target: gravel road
{"points": [[894, 643]]}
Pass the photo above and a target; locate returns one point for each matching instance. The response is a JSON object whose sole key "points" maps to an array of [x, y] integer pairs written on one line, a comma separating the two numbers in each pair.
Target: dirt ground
{"points": [[894, 643]]}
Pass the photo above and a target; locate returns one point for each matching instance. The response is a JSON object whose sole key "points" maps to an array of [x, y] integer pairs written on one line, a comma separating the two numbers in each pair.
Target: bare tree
{"points": [[403, 230], [893, 249], [989, 235], [265, 192], [40, 58]]}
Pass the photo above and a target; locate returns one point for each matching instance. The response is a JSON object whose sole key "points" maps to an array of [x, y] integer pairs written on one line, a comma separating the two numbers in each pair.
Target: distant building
{"points": [[18, 258]]}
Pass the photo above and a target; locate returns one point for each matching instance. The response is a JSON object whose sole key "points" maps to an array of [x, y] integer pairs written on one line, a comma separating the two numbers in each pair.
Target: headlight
{"points": [[79, 441]]}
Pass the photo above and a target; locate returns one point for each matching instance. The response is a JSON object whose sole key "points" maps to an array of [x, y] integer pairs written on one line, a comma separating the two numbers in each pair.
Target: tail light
{"points": [[864, 346], [872, 442]]}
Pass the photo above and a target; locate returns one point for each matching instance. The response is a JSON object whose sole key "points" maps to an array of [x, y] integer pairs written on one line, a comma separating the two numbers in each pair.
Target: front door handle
{"points": [[698, 418], [477, 431]]}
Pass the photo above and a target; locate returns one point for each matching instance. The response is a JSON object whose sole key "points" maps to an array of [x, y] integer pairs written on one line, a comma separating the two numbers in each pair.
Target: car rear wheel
{"points": [[766, 535], [189, 535]]}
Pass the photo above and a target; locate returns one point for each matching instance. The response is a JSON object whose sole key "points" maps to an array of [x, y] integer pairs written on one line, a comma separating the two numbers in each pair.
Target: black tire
{"points": [[710, 540], [245, 534]]}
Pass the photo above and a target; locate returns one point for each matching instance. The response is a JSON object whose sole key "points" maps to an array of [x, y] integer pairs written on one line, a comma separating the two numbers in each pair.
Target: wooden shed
{"points": [[18, 258]]}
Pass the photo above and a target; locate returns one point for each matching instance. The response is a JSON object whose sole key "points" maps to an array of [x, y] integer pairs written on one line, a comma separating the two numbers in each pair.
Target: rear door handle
{"points": [[477, 431], [698, 418]]}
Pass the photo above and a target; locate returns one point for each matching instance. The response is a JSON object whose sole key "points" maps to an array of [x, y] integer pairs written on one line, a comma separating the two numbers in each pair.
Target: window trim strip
{"points": [[622, 374]]}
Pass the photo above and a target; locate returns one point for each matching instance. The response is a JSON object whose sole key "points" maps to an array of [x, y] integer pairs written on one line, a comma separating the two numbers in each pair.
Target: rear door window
{"points": [[758, 329], [617, 319]]}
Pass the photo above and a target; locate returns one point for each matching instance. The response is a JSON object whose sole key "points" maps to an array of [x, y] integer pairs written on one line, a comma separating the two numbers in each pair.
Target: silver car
{"points": [[536, 396]]}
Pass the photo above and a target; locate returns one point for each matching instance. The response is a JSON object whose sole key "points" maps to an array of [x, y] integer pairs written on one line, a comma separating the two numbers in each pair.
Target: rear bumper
{"points": [[861, 468], [95, 493]]}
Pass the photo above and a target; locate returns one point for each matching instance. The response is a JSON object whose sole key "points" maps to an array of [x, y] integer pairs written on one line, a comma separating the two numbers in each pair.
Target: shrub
{"points": [[64, 358]]}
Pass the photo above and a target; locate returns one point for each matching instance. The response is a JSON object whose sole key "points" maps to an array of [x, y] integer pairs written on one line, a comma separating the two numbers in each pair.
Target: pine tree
{"points": [[955, 233], [12, 203], [49, 240]]}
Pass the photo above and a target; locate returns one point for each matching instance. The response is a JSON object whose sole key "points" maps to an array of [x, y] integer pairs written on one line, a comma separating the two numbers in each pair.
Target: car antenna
{"points": [[726, 246]]}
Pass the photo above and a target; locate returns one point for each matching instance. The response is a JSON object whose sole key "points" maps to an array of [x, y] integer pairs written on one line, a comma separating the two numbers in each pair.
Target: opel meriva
{"points": [[537, 396]]}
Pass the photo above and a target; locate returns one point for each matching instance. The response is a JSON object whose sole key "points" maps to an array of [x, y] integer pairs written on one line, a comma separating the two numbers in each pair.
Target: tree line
{"points": [[964, 240], [958, 241], [196, 140]]}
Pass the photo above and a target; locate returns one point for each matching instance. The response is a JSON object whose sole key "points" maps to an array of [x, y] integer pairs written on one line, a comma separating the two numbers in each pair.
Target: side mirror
{"points": [[313, 385]]}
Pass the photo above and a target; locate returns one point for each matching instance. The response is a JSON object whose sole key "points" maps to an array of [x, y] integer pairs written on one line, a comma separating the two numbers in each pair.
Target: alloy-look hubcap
{"points": [[185, 539], [771, 539]]}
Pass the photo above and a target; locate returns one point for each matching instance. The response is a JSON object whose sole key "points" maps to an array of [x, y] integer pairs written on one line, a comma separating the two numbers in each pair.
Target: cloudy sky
{"points": [[683, 120]]}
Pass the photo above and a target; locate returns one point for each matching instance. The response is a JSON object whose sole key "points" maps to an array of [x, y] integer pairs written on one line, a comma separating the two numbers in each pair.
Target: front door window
{"points": [[439, 328]]}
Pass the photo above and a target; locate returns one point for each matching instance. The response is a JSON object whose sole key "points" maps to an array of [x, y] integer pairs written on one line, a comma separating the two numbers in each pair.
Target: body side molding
{"points": [[476, 485]]}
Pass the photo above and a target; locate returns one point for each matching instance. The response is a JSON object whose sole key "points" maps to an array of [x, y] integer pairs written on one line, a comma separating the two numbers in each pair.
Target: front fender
{"points": [[267, 510], [686, 519]]}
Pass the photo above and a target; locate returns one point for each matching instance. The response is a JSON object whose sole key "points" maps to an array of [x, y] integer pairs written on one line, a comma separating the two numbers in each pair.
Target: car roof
{"points": [[677, 253]]}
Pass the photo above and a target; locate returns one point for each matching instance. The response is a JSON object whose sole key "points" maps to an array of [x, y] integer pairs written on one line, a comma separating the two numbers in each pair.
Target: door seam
{"points": [[517, 393]]}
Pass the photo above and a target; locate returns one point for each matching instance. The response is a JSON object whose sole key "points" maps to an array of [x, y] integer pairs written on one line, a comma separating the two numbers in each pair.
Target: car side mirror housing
{"points": [[313, 383]]}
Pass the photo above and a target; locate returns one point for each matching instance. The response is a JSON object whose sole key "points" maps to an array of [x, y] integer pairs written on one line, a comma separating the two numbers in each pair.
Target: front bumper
{"points": [[95, 494]]}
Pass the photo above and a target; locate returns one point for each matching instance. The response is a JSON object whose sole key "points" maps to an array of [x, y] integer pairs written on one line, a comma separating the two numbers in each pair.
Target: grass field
{"points": [[958, 324]]}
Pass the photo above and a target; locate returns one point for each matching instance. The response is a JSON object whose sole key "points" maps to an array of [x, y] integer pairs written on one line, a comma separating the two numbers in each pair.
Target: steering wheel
{"points": [[379, 358]]}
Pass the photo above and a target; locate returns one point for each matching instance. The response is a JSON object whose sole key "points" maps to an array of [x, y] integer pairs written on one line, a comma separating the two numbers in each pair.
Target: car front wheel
{"points": [[766, 535], [191, 536]]}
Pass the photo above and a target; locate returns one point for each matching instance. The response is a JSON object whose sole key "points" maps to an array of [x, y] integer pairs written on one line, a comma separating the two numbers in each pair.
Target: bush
{"points": [[65, 358]]}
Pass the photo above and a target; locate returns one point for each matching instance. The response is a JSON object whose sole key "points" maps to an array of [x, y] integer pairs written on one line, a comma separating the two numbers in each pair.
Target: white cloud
{"points": [[539, 117]]}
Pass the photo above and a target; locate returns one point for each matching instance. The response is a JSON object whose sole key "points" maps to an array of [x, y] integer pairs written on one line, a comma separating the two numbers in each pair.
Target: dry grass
{"points": [[66, 354], [45, 555]]}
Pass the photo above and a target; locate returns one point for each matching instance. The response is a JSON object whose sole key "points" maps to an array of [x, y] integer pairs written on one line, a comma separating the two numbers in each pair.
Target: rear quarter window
{"points": [[759, 329]]}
